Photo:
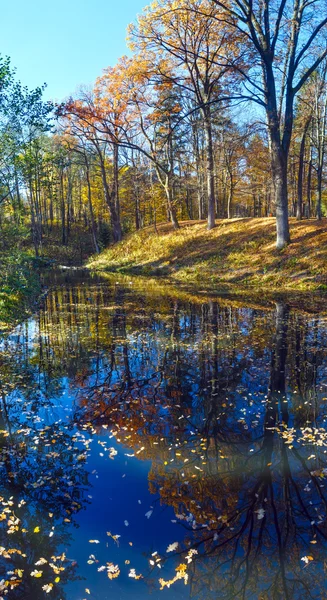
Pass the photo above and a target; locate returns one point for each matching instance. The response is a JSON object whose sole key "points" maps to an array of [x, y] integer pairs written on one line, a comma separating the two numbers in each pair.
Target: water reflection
{"points": [[225, 403], [42, 475]]}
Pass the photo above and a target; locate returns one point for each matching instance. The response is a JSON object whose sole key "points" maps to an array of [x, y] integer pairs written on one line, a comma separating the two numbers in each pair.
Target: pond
{"points": [[158, 444]]}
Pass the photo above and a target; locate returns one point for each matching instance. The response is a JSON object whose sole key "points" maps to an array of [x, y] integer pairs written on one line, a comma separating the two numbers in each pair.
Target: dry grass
{"points": [[237, 253]]}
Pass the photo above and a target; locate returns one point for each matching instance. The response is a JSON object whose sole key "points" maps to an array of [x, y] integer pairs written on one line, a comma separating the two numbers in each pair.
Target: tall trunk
{"points": [[319, 192], [229, 204], [116, 181], [279, 150], [69, 204], [198, 165], [254, 204], [34, 232], [111, 203], [259, 211], [230, 196], [309, 178], [89, 197], [63, 220], [137, 211], [210, 170], [299, 205], [291, 181], [165, 180], [279, 178], [170, 205], [51, 209], [116, 230], [19, 200], [321, 139]]}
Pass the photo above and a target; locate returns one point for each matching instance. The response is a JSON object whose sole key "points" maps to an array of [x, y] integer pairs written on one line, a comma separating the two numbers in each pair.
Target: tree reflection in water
{"points": [[227, 402]]}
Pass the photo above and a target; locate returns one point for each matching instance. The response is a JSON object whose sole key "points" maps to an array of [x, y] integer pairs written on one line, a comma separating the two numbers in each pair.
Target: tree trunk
{"points": [[230, 196], [170, 206], [137, 212], [89, 196], [309, 178], [279, 178], [116, 180], [198, 165], [165, 180], [279, 151], [299, 205], [63, 220], [210, 171], [111, 203], [319, 193]]}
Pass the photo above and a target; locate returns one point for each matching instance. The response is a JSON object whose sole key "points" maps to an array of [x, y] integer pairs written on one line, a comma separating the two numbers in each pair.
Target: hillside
{"points": [[238, 253]]}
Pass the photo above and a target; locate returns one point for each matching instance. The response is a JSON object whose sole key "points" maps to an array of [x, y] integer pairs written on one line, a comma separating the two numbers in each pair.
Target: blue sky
{"points": [[64, 43]]}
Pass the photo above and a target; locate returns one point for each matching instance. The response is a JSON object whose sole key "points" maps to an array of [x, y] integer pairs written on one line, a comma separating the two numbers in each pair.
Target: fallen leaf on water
{"points": [[47, 587], [307, 559]]}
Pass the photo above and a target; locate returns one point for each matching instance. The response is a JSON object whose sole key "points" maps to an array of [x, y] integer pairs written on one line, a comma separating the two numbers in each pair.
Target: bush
{"points": [[19, 286]]}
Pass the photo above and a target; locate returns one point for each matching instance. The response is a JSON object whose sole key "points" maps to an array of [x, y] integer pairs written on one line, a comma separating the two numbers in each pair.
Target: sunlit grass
{"points": [[238, 252]]}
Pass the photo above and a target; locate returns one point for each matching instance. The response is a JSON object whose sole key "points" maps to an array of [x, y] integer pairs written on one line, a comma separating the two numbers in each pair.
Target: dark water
{"points": [[193, 429]]}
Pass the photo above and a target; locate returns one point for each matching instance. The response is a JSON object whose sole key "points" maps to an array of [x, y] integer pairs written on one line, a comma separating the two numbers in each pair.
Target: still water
{"points": [[156, 444]]}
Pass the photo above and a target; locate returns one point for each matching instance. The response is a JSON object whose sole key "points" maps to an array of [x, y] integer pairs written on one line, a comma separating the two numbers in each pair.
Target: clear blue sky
{"points": [[64, 43]]}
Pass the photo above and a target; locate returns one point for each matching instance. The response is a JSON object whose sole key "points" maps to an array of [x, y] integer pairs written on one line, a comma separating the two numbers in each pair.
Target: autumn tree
{"points": [[287, 38], [200, 50], [146, 118], [85, 120]]}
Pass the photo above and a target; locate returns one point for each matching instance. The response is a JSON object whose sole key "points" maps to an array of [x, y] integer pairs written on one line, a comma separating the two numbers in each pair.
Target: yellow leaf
{"points": [[36, 529], [57, 579]]}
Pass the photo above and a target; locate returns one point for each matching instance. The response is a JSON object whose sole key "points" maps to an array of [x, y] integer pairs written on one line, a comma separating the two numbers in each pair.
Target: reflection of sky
{"points": [[119, 489]]}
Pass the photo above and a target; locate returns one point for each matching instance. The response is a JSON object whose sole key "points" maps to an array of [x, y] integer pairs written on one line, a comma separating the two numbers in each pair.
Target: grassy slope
{"points": [[237, 253]]}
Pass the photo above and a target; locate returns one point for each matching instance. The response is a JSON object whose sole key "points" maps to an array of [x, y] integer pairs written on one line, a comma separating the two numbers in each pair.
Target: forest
{"points": [[218, 112]]}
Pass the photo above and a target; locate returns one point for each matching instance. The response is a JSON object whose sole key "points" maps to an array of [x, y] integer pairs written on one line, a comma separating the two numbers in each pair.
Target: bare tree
{"points": [[287, 39]]}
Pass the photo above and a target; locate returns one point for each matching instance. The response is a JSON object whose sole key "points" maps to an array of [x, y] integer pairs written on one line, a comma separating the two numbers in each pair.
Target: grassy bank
{"points": [[239, 253]]}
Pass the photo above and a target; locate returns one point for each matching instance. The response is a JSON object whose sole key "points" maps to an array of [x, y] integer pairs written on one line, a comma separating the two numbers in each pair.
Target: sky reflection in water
{"points": [[176, 423]]}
